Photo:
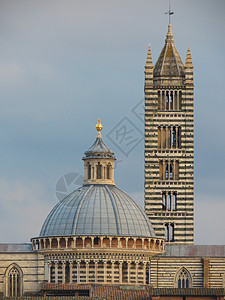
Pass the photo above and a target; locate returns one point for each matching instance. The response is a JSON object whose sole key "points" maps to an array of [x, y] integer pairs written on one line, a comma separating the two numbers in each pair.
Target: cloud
{"points": [[23, 209], [12, 75], [209, 219]]}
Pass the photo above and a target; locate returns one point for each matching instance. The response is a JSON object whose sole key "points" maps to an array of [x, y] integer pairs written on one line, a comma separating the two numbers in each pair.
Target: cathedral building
{"points": [[97, 242]]}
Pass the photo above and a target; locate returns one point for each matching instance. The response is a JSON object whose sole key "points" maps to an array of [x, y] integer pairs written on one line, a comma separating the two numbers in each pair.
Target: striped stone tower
{"points": [[169, 144]]}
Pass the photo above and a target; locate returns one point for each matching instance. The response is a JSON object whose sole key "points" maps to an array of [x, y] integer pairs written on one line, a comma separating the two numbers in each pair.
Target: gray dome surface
{"points": [[97, 210], [99, 148]]}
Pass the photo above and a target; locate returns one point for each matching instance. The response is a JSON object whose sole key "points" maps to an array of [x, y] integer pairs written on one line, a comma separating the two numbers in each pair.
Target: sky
{"points": [[62, 63]]}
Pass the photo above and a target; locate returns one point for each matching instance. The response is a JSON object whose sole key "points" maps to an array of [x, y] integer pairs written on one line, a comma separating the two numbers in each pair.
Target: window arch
{"points": [[169, 232], [108, 171], [14, 281], [99, 171], [183, 279], [89, 171]]}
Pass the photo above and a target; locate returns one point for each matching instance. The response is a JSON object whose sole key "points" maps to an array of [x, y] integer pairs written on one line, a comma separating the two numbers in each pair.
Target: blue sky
{"points": [[62, 63]]}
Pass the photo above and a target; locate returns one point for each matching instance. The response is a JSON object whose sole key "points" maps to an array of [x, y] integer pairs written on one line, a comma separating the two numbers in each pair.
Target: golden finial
{"points": [[99, 125]]}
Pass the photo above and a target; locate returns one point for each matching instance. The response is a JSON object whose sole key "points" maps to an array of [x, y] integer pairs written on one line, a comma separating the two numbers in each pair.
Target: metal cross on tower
{"points": [[169, 12]]}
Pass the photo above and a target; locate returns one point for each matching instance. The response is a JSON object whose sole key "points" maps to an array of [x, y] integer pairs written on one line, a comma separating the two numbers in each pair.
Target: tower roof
{"points": [[188, 62], [169, 62]]}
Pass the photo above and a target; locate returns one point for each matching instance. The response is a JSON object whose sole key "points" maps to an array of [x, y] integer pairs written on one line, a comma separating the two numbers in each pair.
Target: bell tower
{"points": [[169, 144]]}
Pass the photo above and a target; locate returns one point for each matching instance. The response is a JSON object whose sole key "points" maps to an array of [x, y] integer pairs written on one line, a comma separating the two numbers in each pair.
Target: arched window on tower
{"points": [[180, 100], [179, 137], [171, 100], [169, 201], [167, 232], [171, 232], [167, 170], [89, 171], [174, 137], [99, 171], [171, 170], [14, 281], [183, 279], [167, 100], [164, 200], [174, 201]]}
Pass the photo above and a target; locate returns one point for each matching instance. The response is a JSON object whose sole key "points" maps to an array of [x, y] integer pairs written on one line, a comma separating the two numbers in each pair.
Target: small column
{"points": [[164, 100], [128, 271], [161, 139], [142, 243], [87, 271], [101, 240], [50, 243], [160, 100], [120, 271], [144, 273], [63, 271], [49, 272], [44, 243], [136, 272], [35, 245], [74, 242], [92, 241], [113, 264], [56, 270], [110, 242], [46, 269], [66, 242], [164, 169], [169, 100], [166, 137], [177, 143], [105, 271], [168, 169], [58, 240], [96, 271], [83, 239], [78, 271], [71, 271]]}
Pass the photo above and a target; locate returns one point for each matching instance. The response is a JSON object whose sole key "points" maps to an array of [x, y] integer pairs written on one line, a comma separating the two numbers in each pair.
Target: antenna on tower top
{"points": [[169, 13]]}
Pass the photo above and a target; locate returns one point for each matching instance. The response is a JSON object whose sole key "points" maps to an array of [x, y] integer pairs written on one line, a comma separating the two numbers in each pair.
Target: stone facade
{"points": [[21, 269], [120, 257]]}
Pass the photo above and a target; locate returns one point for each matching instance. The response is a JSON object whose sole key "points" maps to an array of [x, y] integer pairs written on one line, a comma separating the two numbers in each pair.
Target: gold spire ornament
{"points": [[99, 125]]}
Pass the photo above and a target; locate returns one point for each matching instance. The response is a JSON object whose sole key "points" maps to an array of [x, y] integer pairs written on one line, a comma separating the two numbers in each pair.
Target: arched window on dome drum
{"points": [[108, 171], [14, 278], [89, 171], [99, 171]]}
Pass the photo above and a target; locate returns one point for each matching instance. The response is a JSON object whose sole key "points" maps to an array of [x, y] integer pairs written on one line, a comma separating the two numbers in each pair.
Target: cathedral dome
{"points": [[97, 210]]}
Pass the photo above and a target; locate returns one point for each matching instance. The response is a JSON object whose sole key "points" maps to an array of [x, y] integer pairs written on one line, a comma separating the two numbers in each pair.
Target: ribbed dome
{"points": [[99, 149], [97, 210]]}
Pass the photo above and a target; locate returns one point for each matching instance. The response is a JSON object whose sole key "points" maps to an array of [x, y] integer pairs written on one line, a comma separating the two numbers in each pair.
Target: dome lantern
{"points": [[99, 162]]}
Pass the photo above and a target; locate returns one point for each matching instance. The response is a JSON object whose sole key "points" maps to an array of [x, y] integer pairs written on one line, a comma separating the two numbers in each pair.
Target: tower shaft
{"points": [[169, 144]]}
